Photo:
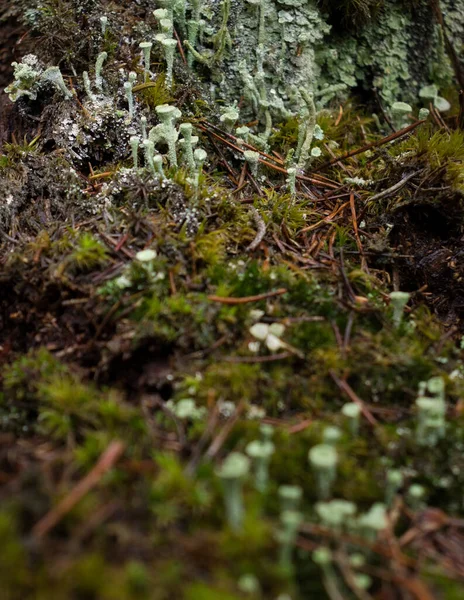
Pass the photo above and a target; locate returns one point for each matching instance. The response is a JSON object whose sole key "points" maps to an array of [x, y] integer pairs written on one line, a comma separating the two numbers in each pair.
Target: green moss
{"points": [[14, 572], [201, 590], [87, 253], [60, 403], [154, 93], [98, 345]]}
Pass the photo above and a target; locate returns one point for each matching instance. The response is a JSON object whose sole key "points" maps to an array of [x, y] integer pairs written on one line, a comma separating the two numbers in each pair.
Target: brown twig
{"points": [[172, 283], [301, 426], [343, 563], [246, 299], [437, 117], [327, 219], [100, 175], [181, 48], [123, 239], [258, 359], [106, 462], [245, 145], [243, 174], [344, 387], [346, 281], [339, 117], [318, 181], [381, 142], [207, 433], [326, 183], [232, 173], [221, 437], [382, 109], [352, 539], [114, 244], [394, 188], [356, 233]]}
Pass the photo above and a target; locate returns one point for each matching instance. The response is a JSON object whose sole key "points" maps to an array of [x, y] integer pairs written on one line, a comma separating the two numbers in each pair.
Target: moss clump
{"points": [[188, 313]]}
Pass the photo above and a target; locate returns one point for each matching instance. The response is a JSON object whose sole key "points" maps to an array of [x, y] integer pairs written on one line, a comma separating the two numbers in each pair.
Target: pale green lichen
{"points": [[130, 98], [252, 159], [169, 47], [290, 522], [187, 144], [306, 129], [323, 459], [399, 301], [146, 50], [232, 473], [281, 46], [88, 87], [98, 70], [352, 411], [166, 131], [336, 514], [134, 144], [30, 78]]}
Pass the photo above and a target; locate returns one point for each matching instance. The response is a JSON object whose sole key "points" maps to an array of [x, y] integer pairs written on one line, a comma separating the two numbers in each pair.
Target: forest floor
{"points": [[128, 378]]}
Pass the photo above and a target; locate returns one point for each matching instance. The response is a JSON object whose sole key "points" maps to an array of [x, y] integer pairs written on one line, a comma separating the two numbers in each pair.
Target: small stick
{"points": [[257, 359], [239, 189], [300, 177], [347, 334], [356, 233], [221, 437], [121, 242], [385, 115], [247, 299], [301, 426], [232, 173], [361, 127], [180, 46], [394, 188], [344, 387], [172, 283], [437, 116], [241, 181], [244, 144], [260, 233], [381, 142], [347, 572], [106, 462], [207, 433], [327, 219], [323, 181]]}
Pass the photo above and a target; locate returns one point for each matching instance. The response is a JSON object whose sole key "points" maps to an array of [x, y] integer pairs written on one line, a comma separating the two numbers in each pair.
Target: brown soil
{"points": [[433, 262], [12, 47]]}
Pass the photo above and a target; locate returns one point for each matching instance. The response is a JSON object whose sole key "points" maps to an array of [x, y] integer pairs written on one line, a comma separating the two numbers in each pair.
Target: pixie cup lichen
{"points": [[323, 459], [232, 473]]}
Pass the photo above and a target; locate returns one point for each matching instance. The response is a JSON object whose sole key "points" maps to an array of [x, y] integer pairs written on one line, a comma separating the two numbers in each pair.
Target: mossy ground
{"points": [[97, 349]]}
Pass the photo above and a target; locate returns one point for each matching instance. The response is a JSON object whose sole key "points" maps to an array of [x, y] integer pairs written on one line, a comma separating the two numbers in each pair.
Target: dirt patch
{"points": [[433, 251]]}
